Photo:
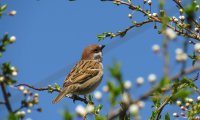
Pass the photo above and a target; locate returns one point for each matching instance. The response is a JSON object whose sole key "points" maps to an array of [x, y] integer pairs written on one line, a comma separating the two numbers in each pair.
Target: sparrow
{"points": [[86, 75]]}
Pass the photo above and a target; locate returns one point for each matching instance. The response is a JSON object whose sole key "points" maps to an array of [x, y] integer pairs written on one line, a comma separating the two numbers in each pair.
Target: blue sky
{"points": [[52, 34]]}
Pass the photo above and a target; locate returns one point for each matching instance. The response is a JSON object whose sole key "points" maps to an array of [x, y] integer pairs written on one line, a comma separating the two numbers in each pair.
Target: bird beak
{"points": [[102, 46]]}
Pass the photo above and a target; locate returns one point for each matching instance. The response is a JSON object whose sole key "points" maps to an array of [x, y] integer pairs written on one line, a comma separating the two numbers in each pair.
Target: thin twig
{"points": [[6, 97], [166, 58], [74, 98], [1, 102], [159, 110]]}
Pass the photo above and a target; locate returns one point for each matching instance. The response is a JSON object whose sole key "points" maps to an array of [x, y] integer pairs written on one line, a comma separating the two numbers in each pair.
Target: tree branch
{"points": [[74, 98], [151, 91], [161, 107], [6, 97], [180, 6], [157, 19]]}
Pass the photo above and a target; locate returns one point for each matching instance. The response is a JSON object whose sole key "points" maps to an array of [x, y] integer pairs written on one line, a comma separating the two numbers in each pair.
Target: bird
{"points": [[86, 75]]}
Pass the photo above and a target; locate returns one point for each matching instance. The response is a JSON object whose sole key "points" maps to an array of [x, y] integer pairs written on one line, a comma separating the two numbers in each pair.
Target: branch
{"points": [[180, 6], [74, 98], [157, 19], [159, 110], [166, 58], [21, 107], [5, 95], [151, 91], [161, 107], [1, 102]]}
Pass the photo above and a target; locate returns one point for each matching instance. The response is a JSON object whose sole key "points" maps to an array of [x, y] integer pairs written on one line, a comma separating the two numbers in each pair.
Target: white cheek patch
{"points": [[97, 55]]}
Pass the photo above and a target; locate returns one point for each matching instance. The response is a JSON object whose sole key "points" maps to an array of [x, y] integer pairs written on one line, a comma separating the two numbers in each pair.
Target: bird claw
{"points": [[74, 97]]}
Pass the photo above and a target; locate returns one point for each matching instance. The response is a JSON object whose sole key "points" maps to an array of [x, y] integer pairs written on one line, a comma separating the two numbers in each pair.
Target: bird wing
{"points": [[82, 71]]}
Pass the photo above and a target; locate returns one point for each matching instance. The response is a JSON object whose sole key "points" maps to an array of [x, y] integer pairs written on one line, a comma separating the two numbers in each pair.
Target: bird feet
{"points": [[85, 99]]}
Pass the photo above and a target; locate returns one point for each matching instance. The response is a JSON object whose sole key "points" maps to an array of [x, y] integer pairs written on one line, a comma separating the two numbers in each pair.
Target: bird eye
{"points": [[96, 50]]}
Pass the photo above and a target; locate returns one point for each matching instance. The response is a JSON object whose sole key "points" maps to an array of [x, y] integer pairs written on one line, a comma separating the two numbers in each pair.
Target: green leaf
{"points": [[67, 115], [100, 37], [12, 116], [164, 82], [57, 86], [3, 8], [182, 94], [193, 62], [98, 117], [115, 71], [167, 117]]}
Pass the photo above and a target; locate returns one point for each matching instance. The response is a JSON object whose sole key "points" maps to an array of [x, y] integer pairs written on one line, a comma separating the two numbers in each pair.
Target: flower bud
{"points": [[12, 13]]}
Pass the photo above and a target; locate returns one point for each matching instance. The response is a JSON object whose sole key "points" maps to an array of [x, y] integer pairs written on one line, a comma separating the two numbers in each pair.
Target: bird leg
{"points": [[74, 97]]}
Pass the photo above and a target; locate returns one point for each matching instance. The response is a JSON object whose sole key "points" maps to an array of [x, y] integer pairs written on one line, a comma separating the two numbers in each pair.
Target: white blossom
{"points": [[187, 104], [13, 68], [182, 17], [181, 57], [21, 88], [178, 103], [190, 100], [97, 95], [127, 84], [181, 10], [89, 108], [36, 95], [129, 15], [152, 78], [125, 98], [2, 78], [12, 39], [149, 2], [175, 114], [140, 80], [133, 109], [155, 48], [25, 91], [183, 108], [178, 51], [14, 73], [29, 111], [140, 104], [30, 104], [80, 110], [196, 29], [197, 47], [174, 19], [155, 14], [12, 13], [22, 113], [149, 15], [105, 88], [170, 34], [198, 98], [197, 117], [197, 7]]}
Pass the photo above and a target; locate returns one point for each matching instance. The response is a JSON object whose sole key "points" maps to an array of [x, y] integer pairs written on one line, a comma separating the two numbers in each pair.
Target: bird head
{"points": [[93, 52]]}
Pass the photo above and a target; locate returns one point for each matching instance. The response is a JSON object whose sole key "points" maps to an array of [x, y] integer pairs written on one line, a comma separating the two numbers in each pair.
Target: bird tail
{"points": [[60, 96]]}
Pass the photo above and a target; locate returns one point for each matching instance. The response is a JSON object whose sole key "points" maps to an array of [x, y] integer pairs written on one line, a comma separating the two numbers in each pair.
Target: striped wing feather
{"points": [[83, 71]]}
